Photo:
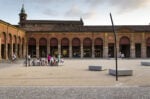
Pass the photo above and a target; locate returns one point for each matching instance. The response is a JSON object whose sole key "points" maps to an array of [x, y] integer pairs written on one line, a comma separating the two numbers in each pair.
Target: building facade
{"points": [[12, 41], [72, 39]]}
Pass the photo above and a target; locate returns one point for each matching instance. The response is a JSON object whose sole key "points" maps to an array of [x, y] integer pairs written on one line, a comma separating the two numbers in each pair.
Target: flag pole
{"points": [[115, 47]]}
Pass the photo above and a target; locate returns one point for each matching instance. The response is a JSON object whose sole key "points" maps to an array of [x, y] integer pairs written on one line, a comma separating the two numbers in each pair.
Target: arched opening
{"points": [[125, 46], [65, 47], [54, 47], [76, 48], [43, 47], [87, 47], [19, 44], [111, 50], [14, 44], [3, 44], [148, 47], [32, 47], [138, 50], [9, 40], [98, 46]]}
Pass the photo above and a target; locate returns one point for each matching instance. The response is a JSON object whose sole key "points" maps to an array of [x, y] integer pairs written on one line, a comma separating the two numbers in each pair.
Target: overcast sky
{"points": [[93, 12]]}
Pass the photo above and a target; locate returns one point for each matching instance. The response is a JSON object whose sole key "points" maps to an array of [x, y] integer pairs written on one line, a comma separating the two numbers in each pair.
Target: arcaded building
{"points": [[72, 39], [12, 41]]}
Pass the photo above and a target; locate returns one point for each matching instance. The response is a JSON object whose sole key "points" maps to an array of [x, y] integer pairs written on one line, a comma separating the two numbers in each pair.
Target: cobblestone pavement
{"points": [[73, 92], [73, 80]]}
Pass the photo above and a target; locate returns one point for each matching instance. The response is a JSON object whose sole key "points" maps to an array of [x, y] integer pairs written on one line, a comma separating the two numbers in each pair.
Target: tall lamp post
{"points": [[115, 47]]}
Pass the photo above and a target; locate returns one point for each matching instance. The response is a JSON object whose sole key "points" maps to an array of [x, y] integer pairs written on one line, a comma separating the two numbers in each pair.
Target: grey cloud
{"points": [[50, 12], [120, 5], [89, 15], [74, 11], [128, 5]]}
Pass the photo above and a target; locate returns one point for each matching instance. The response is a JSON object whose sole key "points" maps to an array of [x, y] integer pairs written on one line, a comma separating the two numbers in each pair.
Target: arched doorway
{"points": [[32, 47], [87, 47], [54, 47], [76, 47], [125, 46], [65, 47], [14, 44], [43, 47], [3, 44], [19, 44], [148, 47], [98, 46], [9, 40]]}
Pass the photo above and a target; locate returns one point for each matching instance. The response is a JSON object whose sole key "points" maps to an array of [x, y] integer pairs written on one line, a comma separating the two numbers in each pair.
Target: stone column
{"points": [[37, 48], [132, 47], [143, 47], [59, 47], [16, 48], [21, 50], [93, 49], [11, 47], [25, 47], [70, 49], [81, 48], [48, 46], [105, 46], [6, 48]]}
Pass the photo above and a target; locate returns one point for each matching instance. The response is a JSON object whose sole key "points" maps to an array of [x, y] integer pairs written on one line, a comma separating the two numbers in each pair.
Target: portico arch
{"points": [[87, 47], [76, 47], [32, 47], [54, 46], [98, 46], [9, 47], [43, 47], [3, 44], [148, 47], [65, 47], [125, 46]]}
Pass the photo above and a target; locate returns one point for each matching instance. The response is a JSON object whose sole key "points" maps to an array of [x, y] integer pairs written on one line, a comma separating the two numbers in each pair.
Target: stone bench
{"points": [[121, 72], [145, 63], [95, 68]]}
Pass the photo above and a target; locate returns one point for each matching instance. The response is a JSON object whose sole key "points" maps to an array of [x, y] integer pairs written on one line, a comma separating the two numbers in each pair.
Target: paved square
{"points": [[75, 72]]}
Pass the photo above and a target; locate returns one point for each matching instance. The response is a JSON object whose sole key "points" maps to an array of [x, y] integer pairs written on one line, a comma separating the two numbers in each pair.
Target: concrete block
{"points": [[95, 68], [145, 63], [121, 72]]}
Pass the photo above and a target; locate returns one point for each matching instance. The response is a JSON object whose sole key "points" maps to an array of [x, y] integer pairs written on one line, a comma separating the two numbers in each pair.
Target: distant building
{"points": [[72, 39]]}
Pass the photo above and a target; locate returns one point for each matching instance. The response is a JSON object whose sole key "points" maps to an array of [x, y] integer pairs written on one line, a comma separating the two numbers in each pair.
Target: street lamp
{"points": [[115, 47]]}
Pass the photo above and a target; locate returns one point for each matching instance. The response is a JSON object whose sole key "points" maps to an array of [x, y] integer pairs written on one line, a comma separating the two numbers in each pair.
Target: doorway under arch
{"points": [[53, 47], [65, 47], [98, 46], [32, 47], [87, 47], [76, 48], [148, 47], [43, 47], [3, 44], [125, 46]]}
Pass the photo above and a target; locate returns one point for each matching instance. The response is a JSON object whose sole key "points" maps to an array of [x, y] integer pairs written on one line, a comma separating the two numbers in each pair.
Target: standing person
{"points": [[59, 56], [49, 58], [122, 55], [13, 57], [29, 58]]}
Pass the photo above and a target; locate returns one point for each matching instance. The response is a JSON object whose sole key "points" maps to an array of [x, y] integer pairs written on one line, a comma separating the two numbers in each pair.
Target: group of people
{"points": [[50, 61]]}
